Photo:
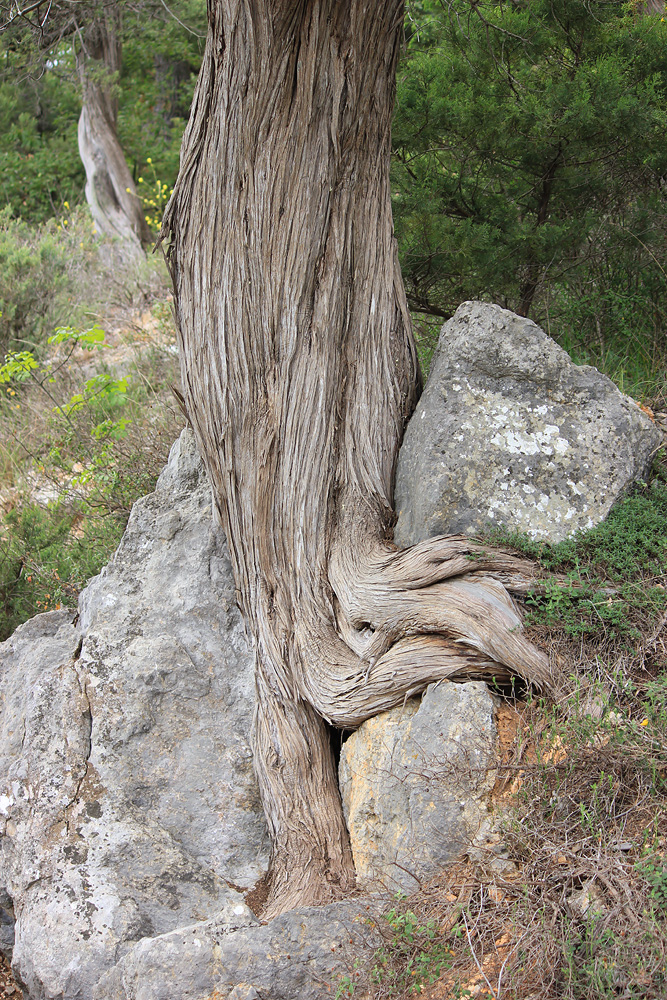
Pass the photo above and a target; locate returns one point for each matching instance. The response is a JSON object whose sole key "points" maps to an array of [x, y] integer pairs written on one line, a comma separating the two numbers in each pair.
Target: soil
{"points": [[8, 987]]}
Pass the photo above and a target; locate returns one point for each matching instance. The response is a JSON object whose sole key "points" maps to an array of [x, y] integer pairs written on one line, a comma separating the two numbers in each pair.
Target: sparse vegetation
{"points": [[87, 421], [611, 587], [576, 907]]}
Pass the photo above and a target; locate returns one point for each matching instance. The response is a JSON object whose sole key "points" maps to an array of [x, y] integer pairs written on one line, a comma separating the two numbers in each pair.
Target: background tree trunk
{"points": [[299, 372], [110, 189]]}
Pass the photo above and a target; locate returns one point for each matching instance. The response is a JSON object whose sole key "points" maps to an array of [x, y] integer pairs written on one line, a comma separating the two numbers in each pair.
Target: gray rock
{"points": [[415, 782], [301, 954], [130, 821], [6, 925], [128, 803], [510, 432]]}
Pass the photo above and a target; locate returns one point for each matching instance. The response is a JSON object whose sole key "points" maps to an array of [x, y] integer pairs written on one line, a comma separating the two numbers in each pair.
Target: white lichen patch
{"points": [[515, 429], [539, 518], [519, 441]]}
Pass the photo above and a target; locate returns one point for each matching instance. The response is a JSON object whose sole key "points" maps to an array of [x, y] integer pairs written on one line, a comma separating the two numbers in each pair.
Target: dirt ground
{"points": [[8, 987]]}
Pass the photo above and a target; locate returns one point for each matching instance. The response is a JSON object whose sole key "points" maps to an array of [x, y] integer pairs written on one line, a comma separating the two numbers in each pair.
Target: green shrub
{"points": [[33, 273], [610, 585], [40, 173], [47, 555]]}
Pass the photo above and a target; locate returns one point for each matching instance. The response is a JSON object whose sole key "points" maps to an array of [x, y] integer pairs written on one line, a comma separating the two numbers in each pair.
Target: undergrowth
{"points": [[86, 430], [608, 586], [575, 905]]}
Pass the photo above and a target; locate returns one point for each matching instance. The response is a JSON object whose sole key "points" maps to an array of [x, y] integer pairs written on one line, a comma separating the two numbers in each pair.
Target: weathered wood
{"points": [[110, 189], [299, 372]]}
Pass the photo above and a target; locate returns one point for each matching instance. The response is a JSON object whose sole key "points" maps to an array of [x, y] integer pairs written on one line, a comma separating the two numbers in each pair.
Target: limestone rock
{"points": [[414, 783], [510, 432], [130, 822], [301, 954], [128, 803]]}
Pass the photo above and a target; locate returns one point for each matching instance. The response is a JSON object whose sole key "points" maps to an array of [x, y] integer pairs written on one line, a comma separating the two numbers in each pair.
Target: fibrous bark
{"points": [[299, 372], [110, 189]]}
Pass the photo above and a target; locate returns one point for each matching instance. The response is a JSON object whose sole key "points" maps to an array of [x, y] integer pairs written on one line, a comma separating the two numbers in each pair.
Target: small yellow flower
{"points": [[141, 180], [129, 190], [66, 204], [149, 160], [644, 722]]}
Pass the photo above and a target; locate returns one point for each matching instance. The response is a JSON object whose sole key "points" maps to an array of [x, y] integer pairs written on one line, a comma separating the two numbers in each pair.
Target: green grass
{"points": [[612, 580]]}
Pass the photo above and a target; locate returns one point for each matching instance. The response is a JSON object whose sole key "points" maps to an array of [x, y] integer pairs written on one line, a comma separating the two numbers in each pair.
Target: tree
{"points": [[41, 102], [92, 28], [39, 160], [530, 161], [110, 189], [84, 38], [299, 373]]}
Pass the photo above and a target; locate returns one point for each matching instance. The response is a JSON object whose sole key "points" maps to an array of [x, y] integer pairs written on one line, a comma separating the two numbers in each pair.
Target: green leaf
{"points": [[18, 366]]}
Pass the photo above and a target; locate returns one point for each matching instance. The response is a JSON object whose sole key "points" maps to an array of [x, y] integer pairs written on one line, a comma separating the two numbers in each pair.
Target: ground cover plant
{"points": [[611, 585], [87, 419], [574, 904]]}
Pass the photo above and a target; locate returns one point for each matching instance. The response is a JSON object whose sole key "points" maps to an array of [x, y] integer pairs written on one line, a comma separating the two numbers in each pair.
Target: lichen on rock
{"points": [[509, 432]]}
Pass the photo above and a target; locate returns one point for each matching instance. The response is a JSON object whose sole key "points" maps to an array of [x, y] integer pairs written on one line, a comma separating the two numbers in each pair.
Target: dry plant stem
{"points": [[299, 373]]}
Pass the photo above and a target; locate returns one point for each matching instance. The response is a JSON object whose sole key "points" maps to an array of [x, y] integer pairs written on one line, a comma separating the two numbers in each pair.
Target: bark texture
{"points": [[299, 371], [110, 189]]}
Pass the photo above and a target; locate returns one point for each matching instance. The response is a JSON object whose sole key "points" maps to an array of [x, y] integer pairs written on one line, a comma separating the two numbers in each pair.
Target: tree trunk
{"points": [[170, 75], [299, 372], [535, 271], [110, 190]]}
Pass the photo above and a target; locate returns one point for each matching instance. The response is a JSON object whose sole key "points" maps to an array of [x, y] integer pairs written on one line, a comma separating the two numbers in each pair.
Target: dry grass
{"points": [[575, 906]]}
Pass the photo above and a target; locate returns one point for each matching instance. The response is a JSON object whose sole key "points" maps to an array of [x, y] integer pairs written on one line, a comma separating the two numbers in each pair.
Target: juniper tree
{"points": [[299, 373]]}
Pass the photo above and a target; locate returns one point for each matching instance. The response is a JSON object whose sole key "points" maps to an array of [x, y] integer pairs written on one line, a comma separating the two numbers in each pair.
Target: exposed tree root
{"points": [[421, 615]]}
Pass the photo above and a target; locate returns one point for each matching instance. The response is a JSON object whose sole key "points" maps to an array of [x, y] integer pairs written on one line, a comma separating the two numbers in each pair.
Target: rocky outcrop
{"points": [[131, 824], [510, 432], [131, 827], [128, 802], [130, 818], [415, 783], [300, 955]]}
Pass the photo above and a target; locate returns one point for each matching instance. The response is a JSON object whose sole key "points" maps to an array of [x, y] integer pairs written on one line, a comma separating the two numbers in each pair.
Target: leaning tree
{"points": [[299, 373], [110, 189], [93, 31]]}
